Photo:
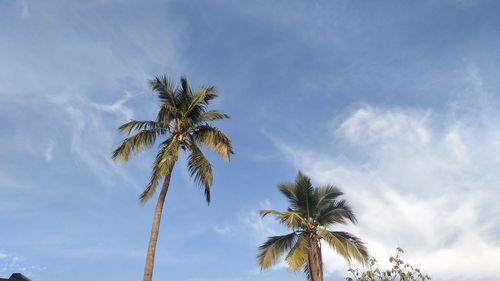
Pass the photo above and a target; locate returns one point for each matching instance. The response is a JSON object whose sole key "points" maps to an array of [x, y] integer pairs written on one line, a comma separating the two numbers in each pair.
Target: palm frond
{"points": [[164, 162], [289, 190], [307, 272], [291, 219], [166, 115], [136, 143], [212, 115], [304, 192], [273, 248], [165, 89], [214, 139], [137, 125], [199, 102], [185, 85], [325, 195], [200, 168], [345, 244], [184, 95], [336, 212], [297, 257]]}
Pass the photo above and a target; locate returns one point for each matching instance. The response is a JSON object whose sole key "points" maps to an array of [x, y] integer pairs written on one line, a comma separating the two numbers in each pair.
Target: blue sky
{"points": [[393, 101]]}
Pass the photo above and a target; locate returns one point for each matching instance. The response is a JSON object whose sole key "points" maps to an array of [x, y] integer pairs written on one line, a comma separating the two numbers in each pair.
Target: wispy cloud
{"points": [[117, 107], [93, 134]]}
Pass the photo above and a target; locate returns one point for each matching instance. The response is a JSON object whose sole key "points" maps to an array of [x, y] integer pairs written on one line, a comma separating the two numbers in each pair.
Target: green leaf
{"points": [[273, 248], [214, 139], [200, 168], [164, 163], [297, 256], [134, 144]]}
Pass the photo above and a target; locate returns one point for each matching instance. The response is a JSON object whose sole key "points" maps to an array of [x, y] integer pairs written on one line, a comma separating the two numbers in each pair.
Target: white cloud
{"points": [[421, 181], [224, 230], [369, 125]]}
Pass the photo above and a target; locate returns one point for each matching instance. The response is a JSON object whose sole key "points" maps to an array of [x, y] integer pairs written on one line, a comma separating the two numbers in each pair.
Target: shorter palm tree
{"points": [[312, 211]]}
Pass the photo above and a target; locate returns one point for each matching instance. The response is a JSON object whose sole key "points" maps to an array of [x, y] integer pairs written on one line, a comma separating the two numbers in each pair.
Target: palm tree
{"points": [[182, 124], [312, 211]]}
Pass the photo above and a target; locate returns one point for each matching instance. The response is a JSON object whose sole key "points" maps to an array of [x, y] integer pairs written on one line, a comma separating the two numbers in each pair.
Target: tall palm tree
{"points": [[312, 211], [182, 125]]}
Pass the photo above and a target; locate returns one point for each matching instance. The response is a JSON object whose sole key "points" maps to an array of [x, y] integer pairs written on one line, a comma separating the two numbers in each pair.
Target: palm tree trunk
{"points": [[315, 262], [155, 228]]}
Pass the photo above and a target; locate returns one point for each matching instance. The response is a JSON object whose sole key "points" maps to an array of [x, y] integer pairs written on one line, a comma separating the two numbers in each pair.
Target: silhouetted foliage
{"points": [[400, 271]]}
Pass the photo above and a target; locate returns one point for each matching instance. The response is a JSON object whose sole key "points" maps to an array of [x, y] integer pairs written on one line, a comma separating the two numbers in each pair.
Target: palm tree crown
{"points": [[182, 122], [312, 211]]}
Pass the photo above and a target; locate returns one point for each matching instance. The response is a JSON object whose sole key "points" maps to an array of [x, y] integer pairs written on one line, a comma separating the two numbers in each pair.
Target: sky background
{"points": [[393, 101]]}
